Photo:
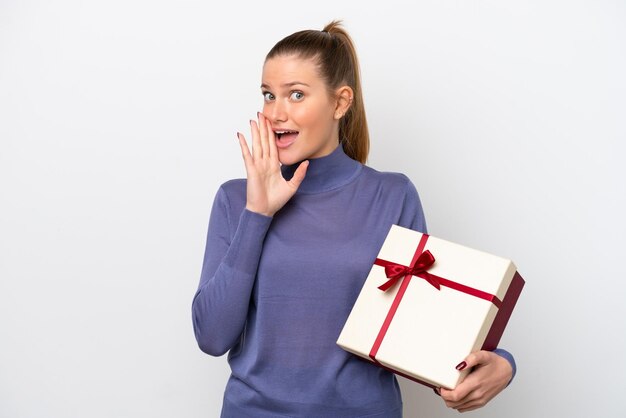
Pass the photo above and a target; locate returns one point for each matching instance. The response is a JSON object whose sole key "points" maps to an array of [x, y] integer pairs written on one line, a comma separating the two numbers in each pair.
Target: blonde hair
{"points": [[335, 54]]}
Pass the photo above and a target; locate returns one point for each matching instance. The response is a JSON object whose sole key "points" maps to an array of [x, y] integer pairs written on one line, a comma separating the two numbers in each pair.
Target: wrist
{"points": [[509, 358], [265, 212]]}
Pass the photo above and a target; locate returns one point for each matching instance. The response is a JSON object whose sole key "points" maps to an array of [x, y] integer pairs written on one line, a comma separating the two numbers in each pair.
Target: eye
{"points": [[297, 96], [267, 96]]}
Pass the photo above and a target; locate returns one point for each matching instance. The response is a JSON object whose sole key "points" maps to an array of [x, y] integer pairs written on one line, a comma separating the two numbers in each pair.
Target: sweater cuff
{"points": [[248, 242], [509, 357]]}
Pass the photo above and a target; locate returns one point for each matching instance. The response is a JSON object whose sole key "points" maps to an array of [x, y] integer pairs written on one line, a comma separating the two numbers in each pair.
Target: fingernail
{"points": [[251, 121], [258, 114], [461, 365], [238, 135]]}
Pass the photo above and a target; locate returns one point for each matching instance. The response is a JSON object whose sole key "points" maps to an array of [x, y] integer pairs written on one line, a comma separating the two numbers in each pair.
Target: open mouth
{"points": [[279, 134], [285, 138]]}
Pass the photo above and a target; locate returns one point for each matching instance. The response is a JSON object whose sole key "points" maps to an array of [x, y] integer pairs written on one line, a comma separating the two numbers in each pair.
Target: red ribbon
{"points": [[422, 261], [396, 271]]}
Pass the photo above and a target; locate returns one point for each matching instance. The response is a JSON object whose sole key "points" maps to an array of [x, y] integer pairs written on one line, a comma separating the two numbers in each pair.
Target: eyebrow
{"points": [[291, 84]]}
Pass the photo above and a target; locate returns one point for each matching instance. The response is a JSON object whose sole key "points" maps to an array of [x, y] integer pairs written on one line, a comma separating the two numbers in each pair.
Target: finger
{"points": [[470, 406], [298, 176], [263, 131], [257, 150], [460, 402], [245, 151], [273, 150], [458, 395], [473, 360]]}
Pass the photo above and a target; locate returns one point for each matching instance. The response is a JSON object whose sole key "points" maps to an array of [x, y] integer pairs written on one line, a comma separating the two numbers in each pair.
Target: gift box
{"points": [[427, 303]]}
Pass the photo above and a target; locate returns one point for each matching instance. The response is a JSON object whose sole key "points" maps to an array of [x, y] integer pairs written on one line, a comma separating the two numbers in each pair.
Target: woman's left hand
{"points": [[491, 374]]}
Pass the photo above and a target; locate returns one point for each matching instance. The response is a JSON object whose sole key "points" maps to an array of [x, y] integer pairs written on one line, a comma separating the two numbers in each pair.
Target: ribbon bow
{"points": [[395, 272]]}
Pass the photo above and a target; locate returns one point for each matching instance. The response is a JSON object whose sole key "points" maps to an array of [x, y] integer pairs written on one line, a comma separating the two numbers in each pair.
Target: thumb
{"points": [[472, 360], [299, 175]]}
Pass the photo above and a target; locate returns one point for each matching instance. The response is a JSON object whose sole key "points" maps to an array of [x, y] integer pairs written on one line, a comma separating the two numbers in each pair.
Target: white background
{"points": [[117, 124]]}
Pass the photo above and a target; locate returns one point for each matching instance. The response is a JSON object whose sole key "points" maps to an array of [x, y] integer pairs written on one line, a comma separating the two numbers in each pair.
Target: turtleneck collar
{"points": [[326, 173]]}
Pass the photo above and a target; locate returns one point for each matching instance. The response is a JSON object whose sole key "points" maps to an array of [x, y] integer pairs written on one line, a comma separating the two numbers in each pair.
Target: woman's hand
{"points": [[267, 190], [490, 375]]}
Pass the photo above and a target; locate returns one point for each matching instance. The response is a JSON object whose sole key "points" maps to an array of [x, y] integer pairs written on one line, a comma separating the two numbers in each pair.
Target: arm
{"points": [[220, 305]]}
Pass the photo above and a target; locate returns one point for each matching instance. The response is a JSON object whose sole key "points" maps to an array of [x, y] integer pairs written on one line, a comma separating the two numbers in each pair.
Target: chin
{"points": [[286, 159]]}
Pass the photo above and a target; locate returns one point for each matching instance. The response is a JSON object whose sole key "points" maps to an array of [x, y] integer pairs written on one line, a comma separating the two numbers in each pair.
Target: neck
{"points": [[325, 173]]}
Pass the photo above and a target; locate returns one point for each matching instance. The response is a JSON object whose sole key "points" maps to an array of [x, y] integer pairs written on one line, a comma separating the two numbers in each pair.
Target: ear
{"points": [[344, 95]]}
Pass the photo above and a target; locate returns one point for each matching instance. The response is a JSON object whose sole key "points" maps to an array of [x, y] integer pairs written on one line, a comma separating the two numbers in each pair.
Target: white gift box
{"points": [[431, 316]]}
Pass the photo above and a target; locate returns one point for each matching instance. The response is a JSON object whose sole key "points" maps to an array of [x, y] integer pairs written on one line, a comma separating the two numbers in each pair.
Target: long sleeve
{"points": [[233, 249]]}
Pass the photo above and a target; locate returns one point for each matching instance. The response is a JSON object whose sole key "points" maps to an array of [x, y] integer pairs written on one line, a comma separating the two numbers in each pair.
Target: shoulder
{"points": [[398, 188], [233, 186], [232, 193], [388, 179], [399, 197]]}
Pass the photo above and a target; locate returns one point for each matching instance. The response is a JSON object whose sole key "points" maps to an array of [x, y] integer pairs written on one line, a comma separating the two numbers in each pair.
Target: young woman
{"points": [[289, 248]]}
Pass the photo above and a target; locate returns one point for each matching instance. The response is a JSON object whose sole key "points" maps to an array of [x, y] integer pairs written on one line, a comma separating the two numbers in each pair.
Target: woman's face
{"points": [[297, 103]]}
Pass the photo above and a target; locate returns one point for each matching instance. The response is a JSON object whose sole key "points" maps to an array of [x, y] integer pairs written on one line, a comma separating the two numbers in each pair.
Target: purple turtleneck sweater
{"points": [[275, 292]]}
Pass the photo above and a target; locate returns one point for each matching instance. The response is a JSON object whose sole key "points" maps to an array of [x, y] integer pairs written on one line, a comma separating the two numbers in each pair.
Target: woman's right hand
{"points": [[267, 190]]}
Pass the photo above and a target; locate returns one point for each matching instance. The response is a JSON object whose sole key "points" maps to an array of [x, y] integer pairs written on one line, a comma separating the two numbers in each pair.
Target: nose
{"points": [[277, 111]]}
